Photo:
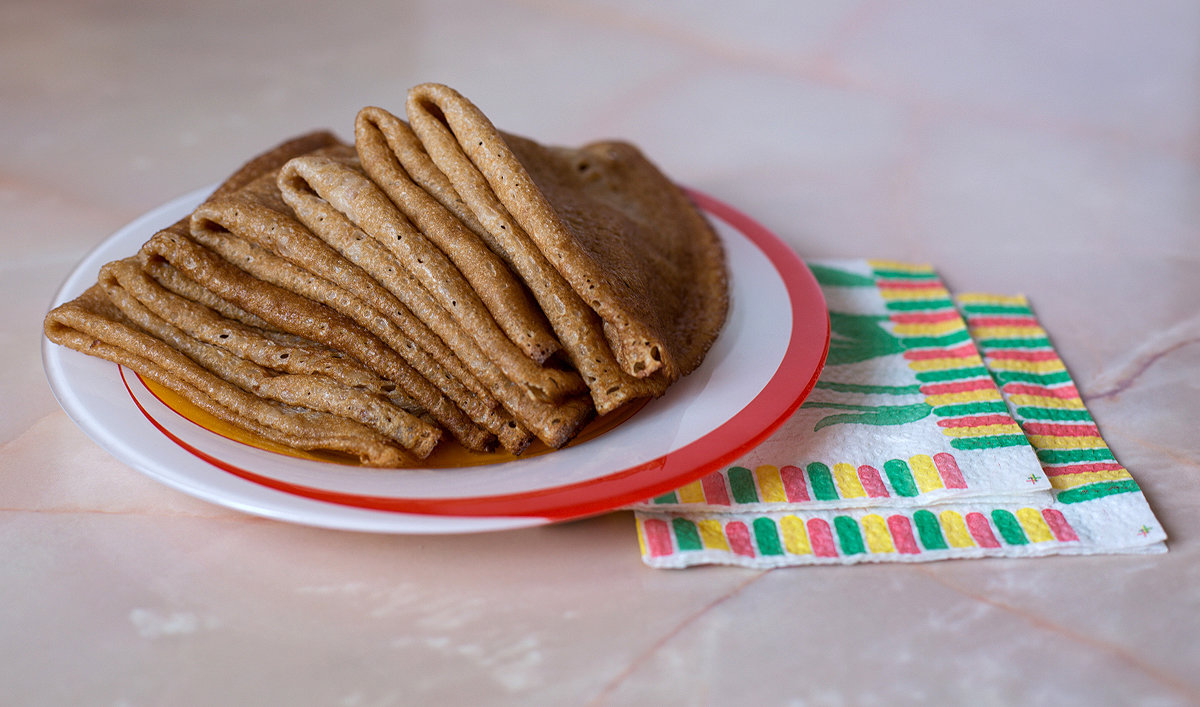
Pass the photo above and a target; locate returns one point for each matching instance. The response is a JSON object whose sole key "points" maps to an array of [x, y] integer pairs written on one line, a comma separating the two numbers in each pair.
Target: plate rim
{"points": [[775, 402]]}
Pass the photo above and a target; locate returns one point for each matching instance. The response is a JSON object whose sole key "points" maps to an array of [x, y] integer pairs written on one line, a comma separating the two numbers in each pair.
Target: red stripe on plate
{"points": [[791, 383]]}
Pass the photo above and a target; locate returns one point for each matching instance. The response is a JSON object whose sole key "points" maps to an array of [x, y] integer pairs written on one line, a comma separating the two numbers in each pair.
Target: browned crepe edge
{"points": [[445, 294], [257, 366], [553, 423], [379, 136], [92, 325], [295, 314], [631, 322], [256, 230], [576, 324]]}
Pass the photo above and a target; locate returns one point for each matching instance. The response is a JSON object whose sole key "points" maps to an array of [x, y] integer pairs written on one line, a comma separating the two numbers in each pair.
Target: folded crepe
{"points": [[294, 313], [233, 364], [600, 222], [268, 348], [378, 137], [438, 276], [258, 370], [253, 228], [358, 220]]}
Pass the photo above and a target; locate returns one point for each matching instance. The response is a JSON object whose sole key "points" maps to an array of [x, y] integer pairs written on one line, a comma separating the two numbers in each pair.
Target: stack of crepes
{"points": [[436, 277]]}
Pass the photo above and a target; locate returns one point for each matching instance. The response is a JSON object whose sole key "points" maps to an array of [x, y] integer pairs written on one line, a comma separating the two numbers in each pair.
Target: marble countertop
{"points": [[1051, 150]]}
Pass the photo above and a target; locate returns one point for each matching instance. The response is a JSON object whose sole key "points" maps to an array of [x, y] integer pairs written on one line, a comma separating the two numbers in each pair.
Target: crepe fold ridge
{"points": [[379, 138], [346, 210], [615, 229], [256, 230], [142, 304], [92, 324]]}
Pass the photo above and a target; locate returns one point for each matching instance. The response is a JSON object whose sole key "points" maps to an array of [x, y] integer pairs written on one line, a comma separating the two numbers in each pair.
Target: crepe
{"points": [[378, 137], [357, 219], [630, 275], [321, 402], [296, 314], [270, 349], [253, 228], [92, 324], [578, 327], [436, 277], [259, 370]]}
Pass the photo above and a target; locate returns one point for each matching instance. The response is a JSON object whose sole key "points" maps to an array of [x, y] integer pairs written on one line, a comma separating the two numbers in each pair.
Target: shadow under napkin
{"points": [[928, 437]]}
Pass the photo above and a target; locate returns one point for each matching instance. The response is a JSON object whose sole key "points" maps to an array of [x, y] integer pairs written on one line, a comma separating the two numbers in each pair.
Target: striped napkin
{"points": [[940, 428]]}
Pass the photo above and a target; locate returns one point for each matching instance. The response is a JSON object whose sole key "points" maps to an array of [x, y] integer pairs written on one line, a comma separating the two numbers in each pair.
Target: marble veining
{"points": [[1049, 150]]}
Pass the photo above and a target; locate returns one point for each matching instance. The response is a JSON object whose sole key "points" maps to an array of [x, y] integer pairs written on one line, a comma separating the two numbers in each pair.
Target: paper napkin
{"points": [[923, 440]]}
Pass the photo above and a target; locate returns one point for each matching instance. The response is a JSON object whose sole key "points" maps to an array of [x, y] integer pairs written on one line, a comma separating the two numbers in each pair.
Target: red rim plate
{"points": [[789, 385]]}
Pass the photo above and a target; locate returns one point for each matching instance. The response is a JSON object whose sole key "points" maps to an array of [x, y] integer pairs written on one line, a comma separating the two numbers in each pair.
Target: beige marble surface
{"points": [[1045, 148]]}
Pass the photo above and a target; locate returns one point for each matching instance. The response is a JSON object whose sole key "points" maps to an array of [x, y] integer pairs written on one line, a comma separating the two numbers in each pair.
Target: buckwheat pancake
{"points": [[321, 186], [379, 136], [269, 349], [356, 218], [91, 323], [437, 278], [174, 281], [132, 293], [623, 236], [250, 205], [271, 268], [255, 229], [578, 327], [296, 314]]}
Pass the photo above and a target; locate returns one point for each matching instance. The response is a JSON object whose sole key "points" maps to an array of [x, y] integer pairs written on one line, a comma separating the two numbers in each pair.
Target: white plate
{"points": [[764, 363]]}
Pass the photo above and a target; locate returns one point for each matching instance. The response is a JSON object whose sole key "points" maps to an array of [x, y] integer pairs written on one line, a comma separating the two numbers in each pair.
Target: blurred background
{"points": [[1051, 149], [881, 128]]}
